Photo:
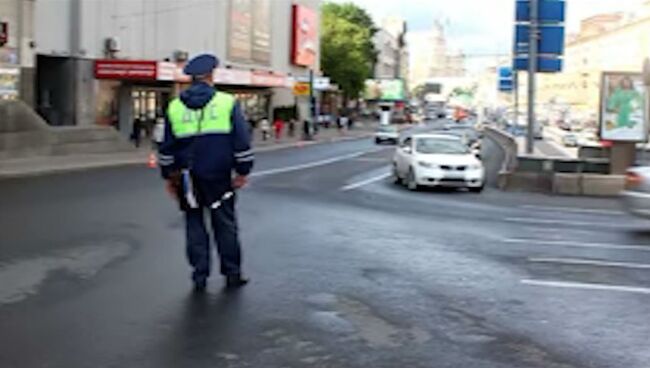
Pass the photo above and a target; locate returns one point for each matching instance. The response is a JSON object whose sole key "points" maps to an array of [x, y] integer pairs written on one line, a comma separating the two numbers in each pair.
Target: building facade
{"points": [[433, 57], [387, 48], [607, 42], [17, 49], [109, 62]]}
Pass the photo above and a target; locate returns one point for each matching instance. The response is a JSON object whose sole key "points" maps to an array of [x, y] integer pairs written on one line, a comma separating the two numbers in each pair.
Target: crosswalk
{"points": [[589, 242]]}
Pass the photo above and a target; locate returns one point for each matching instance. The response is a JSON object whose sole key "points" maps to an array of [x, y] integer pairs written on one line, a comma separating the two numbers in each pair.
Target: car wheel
{"points": [[411, 183], [396, 178], [476, 189]]}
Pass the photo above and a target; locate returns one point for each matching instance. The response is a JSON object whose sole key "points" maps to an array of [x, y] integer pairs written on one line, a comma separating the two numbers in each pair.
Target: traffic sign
{"points": [[550, 11], [544, 64], [551, 39], [505, 83], [301, 89]]}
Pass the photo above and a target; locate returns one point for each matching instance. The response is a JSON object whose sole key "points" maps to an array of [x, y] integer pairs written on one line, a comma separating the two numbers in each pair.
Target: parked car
{"points": [[570, 140], [636, 196], [437, 160], [387, 133]]}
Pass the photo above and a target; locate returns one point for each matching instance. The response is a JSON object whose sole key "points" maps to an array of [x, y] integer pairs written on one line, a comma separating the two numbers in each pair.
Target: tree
{"points": [[347, 51]]}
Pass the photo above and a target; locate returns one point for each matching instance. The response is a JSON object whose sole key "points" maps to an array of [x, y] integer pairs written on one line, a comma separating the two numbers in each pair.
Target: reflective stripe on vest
{"points": [[213, 118]]}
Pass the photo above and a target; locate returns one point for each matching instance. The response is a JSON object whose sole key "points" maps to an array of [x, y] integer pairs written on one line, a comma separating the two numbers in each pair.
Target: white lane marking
{"points": [[365, 182], [310, 165], [573, 210], [538, 221], [587, 286], [370, 159], [591, 262], [644, 248]]}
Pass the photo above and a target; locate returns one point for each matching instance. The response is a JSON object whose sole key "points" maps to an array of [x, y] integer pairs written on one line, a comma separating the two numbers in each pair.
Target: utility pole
{"points": [[312, 106], [533, 42], [515, 82]]}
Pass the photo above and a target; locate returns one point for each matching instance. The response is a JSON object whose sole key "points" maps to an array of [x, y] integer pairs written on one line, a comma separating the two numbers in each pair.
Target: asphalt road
{"points": [[348, 270]]}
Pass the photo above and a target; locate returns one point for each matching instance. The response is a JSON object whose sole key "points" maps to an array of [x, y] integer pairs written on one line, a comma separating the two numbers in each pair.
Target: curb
{"points": [[134, 161]]}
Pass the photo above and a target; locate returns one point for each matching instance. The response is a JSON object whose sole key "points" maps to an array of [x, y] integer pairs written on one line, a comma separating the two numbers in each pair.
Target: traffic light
{"points": [[4, 33]]}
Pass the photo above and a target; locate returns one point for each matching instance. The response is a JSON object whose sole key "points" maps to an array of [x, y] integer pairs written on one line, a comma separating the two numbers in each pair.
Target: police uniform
{"points": [[206, 141]]}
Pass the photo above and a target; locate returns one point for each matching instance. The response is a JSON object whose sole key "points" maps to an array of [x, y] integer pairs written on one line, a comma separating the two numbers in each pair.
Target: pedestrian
{"points": [[291, 130], [205, 157], [278, 127], [136, 132], [158, 135], [265, 127]]}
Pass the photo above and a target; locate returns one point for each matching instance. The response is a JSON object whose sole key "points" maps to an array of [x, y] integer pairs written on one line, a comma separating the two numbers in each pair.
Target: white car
{"points": [[387, 133], [437, 160]]}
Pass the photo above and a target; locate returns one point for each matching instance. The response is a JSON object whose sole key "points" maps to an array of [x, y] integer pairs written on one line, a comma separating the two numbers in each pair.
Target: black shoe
{"points": [[235, 281], [200, 286]]}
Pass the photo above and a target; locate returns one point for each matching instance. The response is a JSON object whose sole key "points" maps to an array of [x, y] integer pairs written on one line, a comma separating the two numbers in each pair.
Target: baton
{"points": [[226, 196]]}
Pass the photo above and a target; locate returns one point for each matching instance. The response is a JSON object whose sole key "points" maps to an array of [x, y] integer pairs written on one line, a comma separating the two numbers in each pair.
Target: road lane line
{"points": [[573, 210], [365, 182], [591, 262], [643, 248], [310, 165], [538, 221], [587, 286]]}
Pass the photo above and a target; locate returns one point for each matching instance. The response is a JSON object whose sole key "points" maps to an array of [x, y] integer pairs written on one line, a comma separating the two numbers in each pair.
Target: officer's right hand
{"points": [[239, 181]]}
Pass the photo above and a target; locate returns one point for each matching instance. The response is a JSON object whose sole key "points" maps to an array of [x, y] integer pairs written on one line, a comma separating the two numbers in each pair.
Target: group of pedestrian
{"points": [[278, 128]]}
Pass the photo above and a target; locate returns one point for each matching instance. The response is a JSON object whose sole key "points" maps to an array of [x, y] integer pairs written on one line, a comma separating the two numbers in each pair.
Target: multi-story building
{"points": [[108, 62], [387, 48], [606, 42], [397, 28], [432, 57], [16, 49]]}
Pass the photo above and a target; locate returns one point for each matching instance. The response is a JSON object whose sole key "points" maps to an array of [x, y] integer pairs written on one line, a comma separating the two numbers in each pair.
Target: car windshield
{"points": [[387, 129], [440, 146]]}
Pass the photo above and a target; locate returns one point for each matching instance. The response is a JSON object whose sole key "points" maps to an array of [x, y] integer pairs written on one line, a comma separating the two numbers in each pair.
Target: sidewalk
{"points": [[40, 165]]}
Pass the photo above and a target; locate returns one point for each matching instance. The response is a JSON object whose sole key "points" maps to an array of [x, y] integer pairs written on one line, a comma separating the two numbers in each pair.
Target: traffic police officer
{"points": [[205, 156]]}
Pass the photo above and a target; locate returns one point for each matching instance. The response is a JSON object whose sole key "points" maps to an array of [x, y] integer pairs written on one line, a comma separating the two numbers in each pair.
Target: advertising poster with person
{"points": [[623, 112]]}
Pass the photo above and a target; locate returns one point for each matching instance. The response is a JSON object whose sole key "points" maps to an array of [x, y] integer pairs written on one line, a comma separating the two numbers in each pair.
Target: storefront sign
{"points": [[320, 83], [233, 76], [301, 89], [166, 71], [9, 77], [623, 110], [268, 80], [126, 69], [305, 36]]}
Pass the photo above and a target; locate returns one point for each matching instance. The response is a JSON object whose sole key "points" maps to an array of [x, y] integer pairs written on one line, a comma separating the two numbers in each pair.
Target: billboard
{"points": [[623, 107], [250, 31], [304, 36], [384, 90]]}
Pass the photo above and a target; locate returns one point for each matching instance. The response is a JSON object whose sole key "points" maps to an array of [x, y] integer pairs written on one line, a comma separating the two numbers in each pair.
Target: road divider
{"points": [[576, 244], [312, 164], [587, 286], [365, 182], [591, 262]]}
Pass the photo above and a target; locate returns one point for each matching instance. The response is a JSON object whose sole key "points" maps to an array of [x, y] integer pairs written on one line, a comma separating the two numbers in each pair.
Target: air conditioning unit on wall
{"points": [[112, 44]]}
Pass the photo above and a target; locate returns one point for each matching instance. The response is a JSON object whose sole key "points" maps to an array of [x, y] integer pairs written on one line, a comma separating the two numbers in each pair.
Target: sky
{"points": [[479, 26]]}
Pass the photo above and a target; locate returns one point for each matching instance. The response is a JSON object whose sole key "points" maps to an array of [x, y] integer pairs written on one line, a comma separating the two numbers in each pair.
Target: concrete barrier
{"points": [[602, 185], [585, 176]]}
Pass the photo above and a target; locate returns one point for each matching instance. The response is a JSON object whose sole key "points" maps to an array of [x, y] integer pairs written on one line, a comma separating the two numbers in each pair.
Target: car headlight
{"points": [[428, 165], [475, 167]]}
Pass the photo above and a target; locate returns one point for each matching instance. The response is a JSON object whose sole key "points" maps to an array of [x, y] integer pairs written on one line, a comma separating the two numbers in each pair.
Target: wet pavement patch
{"points": [[23, 278]]}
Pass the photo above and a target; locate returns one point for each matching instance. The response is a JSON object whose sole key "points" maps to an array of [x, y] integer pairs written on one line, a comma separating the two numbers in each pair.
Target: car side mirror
{"points": [[407, 149], [477, 153]]}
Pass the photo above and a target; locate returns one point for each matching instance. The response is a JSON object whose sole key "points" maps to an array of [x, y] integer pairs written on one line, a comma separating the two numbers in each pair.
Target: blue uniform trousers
{"points": [[225, 232]]}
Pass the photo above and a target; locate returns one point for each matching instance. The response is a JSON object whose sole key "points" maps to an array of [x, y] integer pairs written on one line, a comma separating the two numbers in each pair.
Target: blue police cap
{"points": [[201, 65]]}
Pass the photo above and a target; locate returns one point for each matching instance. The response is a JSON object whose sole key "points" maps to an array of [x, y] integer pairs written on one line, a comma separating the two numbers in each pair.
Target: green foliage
{"points": [[347, 51]]}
